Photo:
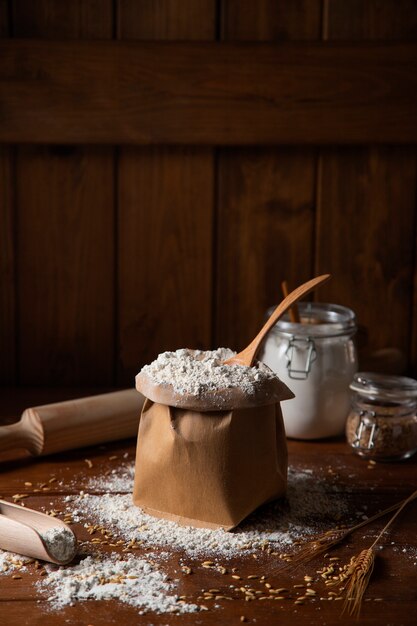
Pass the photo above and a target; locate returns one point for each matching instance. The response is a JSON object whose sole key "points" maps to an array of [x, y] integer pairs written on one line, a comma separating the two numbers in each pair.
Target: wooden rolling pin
{"points": [[75, 423]]}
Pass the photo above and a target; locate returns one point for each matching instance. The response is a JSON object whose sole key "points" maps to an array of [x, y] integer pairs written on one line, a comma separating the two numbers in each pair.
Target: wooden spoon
{"points": [[248, 355], [21, 531], [293, 311]]}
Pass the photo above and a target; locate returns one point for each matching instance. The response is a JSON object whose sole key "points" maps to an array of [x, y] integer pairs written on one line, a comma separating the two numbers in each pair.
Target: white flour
{"points": [[119, 480], [309, 508], [60, 543], [9, 561], [130, 580], [196, 372], [311, 505]]}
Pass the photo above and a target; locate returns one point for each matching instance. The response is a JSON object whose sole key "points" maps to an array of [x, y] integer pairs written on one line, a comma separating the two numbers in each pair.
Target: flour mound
{"points": [[201, 381], [196, 372], [130, 580], [60, 543]]}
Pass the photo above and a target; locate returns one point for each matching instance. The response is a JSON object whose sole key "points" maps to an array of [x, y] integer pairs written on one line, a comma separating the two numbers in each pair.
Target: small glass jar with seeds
{"points": [[382, 424]]}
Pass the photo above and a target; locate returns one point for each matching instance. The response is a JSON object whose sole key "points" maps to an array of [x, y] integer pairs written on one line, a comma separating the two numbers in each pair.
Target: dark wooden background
{"points": [[112, 252]]}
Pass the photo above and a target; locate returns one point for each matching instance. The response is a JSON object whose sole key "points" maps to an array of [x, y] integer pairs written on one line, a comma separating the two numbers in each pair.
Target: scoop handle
{"points": [[248, 355]]}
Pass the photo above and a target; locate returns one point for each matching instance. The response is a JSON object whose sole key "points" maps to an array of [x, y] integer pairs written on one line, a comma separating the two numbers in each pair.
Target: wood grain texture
{"points": [[365, 238], [4, 18], [270, 20], [165, 241], [165, 201], [265, 235], [166, 19], [7, 270], [393, 579], [7, 248], [367, 202], [205, 93], [65, 212], [372, 19], [55, 19], [65, 265], [69, 425], [266, 196]]}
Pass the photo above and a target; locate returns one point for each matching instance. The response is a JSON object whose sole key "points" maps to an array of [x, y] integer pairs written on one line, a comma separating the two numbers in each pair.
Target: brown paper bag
{"points": [[209, 469]]}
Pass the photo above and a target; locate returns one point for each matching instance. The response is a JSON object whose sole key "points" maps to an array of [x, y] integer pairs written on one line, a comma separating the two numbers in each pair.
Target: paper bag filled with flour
{"points": [[211, 443]]}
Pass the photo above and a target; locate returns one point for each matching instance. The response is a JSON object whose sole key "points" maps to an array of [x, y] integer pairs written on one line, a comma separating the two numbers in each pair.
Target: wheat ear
{"points": [[359, 570], [358, 574], [329, 539]]}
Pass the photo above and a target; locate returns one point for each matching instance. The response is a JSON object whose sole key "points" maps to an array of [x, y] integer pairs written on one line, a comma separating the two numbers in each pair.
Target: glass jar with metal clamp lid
{"points": [[316, 359], [382, 424]]}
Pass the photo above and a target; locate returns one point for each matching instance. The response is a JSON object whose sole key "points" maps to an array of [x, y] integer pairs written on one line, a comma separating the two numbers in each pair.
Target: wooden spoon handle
{"points": [[248, 355], [293, 311]]}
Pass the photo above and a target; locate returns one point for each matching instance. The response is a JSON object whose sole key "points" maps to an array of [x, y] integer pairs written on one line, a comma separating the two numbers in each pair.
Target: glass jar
{"points": [[382, 424], [316, 359]]}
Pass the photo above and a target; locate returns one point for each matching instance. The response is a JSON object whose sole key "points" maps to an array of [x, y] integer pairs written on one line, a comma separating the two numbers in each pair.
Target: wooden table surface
{"points": [[394, 582]]}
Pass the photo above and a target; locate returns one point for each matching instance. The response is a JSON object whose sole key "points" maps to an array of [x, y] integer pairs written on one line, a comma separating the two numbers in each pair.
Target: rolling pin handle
{"points": [[13, 437], [26, 434]]}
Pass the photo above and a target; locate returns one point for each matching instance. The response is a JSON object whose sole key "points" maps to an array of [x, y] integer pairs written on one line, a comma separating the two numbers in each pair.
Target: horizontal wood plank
{"points": [[207, 93]]}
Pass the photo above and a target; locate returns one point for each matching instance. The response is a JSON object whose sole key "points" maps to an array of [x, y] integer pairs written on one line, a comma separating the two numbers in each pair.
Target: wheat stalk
{"points": [[359, 571], [318, 545], [325, 542]]}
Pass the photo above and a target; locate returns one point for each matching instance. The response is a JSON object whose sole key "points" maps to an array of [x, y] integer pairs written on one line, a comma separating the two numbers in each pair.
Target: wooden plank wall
{"points": [[65, 230], [266, 196], [7, 257], [165, 229], [366, 199], [111, 254]]}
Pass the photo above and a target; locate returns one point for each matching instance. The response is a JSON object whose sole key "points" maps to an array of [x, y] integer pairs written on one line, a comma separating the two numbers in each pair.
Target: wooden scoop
{"points": [[21, 528], [248, 355]]}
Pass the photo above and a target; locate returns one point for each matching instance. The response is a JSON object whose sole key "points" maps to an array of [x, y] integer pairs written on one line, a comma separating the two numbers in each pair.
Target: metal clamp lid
{"points": [[363, 425], [300, 372], [384, 387]]}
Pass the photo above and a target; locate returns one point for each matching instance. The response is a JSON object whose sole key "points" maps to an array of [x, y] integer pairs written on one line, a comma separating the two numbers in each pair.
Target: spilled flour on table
{"points": [[118, 480], [308, 508], [130, 580], [410, 552], [9, 562]]}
